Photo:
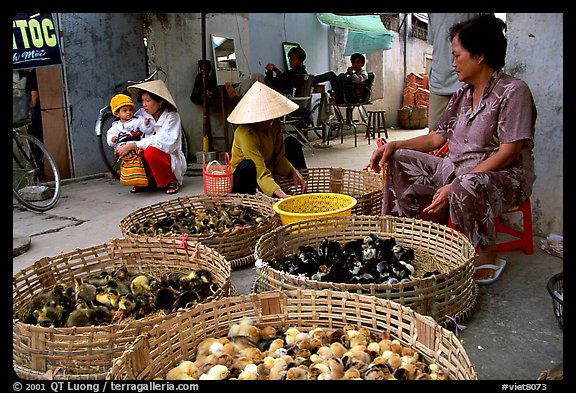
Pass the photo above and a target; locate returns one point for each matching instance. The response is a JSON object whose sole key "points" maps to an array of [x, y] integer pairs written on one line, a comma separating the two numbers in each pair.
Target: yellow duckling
{"points": [[140, 284]]}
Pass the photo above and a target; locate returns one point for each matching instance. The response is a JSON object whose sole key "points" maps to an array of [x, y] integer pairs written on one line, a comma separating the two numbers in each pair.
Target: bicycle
{"points": [[36, 181], [106, 118]]}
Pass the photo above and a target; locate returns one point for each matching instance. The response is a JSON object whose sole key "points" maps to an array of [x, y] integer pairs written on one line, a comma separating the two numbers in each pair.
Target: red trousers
{"points": [[158, 167]]}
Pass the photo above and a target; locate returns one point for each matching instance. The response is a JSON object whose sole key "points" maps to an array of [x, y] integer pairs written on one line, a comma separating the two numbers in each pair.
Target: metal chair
{"points": [[355, 95], [301, 120]]}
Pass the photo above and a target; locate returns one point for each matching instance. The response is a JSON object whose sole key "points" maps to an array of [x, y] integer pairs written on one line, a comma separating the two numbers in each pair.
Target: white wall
{"points": [[535, 55]]}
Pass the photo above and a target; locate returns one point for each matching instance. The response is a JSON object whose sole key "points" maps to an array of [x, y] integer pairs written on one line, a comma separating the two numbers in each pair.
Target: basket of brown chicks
{"points": [[419, 264], [302, 334], [74, 312], [229, 223]]}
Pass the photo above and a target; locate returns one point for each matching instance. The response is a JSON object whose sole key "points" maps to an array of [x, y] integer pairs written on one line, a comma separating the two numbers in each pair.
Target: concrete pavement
{"points": [[512, 334]]}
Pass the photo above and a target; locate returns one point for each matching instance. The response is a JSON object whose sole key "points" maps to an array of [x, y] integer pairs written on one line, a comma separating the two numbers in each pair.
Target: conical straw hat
{"points": [[261, 103], [157, 87]]}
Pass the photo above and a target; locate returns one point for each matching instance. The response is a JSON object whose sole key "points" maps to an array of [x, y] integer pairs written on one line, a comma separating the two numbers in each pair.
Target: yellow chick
{"points": [[338, 349], [394, 360], [274, 345], [269, 361], [217, 372], [186, 370], [319, 371], [384, 345], [290, 336], [396, 346], [373, 347], [249, 373], [325, 352], [278, 370]]}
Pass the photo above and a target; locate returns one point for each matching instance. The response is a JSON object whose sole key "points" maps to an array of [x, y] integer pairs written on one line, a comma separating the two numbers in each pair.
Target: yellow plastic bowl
{"points": [[314, 205]]}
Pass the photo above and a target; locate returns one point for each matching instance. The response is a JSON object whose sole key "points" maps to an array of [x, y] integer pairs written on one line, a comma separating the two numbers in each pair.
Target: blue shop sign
{"points": [[35, 41]]}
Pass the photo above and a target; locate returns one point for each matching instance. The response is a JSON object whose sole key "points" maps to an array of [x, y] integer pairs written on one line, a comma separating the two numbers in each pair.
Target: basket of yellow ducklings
{"points": [[229, 223], [73, 313], [296, 335], [419, 264]]}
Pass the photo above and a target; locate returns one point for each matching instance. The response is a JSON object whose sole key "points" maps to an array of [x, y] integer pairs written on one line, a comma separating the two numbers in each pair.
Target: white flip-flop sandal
{"points": [[498, 269]]}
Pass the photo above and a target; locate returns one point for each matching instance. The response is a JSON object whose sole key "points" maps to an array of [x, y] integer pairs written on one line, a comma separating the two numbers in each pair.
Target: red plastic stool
{"points": [[524, 239]]}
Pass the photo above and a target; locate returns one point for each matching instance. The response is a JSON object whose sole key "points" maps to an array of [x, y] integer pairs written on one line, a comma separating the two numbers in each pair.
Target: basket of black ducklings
{"points": [[296, 335], [75, 312], [364, 186], [419, 264], [229, 223]]}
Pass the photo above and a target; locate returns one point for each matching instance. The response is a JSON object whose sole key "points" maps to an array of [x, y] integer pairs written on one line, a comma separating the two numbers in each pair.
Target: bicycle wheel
{"points": [[107, 152], [35, 178]]}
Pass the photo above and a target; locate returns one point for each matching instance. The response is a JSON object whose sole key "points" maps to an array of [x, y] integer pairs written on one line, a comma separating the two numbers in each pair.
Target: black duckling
{"points": [[165, 296], [50, 316], [123, 287], [85, 291], [145, 305], [185, 299]]}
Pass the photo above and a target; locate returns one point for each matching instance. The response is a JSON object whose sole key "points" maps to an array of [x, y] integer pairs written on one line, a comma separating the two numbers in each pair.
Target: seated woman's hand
{"points": [[439, 200]]}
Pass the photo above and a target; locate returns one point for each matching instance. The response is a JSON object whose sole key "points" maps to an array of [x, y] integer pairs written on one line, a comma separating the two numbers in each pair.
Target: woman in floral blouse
{"points": [[489, 126]]}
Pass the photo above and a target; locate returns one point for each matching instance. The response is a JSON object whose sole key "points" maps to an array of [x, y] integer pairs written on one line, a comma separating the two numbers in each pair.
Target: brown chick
{"points": [[297, 373], [336, 368], [268, 332], [263, 371], [352, 373], [253, 354]]}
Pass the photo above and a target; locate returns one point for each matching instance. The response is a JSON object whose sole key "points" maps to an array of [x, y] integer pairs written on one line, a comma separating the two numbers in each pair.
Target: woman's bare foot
{"points": [[488, 255]]}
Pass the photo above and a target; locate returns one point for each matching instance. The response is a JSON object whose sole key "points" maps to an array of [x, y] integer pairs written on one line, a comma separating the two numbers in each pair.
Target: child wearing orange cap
{"points": [[129, 126]]}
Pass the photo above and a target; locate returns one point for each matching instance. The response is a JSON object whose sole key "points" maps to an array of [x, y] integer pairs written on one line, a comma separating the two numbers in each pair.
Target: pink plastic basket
{"points": [[217, 183]]}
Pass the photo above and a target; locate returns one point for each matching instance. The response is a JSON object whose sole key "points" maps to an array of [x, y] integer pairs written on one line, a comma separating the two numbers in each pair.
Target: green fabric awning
{"points": [[366, 33]]}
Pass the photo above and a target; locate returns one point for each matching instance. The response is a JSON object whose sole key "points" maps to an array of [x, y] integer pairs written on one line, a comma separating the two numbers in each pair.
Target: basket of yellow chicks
{"points": [[296, 335], [74, 312]]}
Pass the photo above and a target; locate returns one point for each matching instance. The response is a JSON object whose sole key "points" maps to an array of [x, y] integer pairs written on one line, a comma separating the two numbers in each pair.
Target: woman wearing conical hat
{"points": [[161, 147], [258, 149]]}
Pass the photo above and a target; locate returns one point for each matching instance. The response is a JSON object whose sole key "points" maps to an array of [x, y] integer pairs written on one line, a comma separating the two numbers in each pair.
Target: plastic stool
{"points": [[376, 123], [524, 238]]}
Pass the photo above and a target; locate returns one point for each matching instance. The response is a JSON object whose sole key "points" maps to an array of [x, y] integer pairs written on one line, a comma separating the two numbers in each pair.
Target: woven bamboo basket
{"points": [[154, 353], [86, 353], [448, 297], [237, 247], [365, 186]]}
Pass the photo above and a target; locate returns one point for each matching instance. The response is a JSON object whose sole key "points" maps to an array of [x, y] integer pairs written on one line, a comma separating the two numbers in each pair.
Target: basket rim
{"points": [[550, 286], [353, 201]]}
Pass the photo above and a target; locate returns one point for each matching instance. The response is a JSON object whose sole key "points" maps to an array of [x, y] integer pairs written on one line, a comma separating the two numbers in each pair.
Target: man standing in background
{"points": [[442, 78]]}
